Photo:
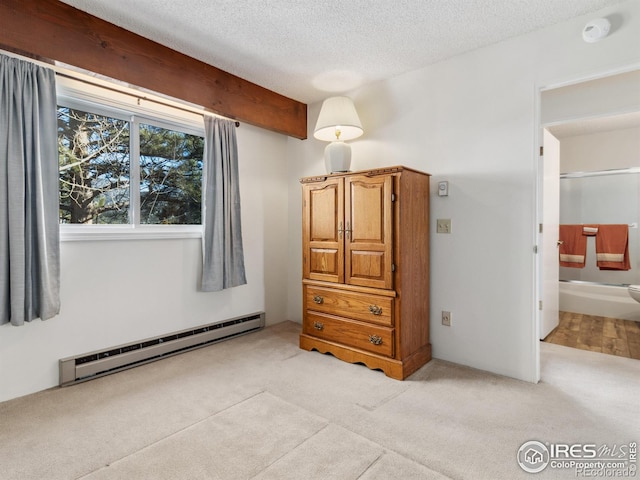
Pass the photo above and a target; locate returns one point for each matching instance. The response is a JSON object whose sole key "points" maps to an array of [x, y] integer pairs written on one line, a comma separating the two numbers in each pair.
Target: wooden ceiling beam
{"points": [[54, 30]]}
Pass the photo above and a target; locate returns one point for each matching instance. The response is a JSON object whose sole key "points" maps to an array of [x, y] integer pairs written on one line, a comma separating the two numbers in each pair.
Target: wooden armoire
{"points": [[365, 249]]}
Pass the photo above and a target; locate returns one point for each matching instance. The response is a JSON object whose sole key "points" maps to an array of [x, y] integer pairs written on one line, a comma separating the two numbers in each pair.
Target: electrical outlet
{"points": [[443, 225], [446, 318]]}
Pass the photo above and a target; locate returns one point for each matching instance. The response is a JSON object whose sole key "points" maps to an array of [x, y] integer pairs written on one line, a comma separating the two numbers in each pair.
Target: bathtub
{"points": [[601, 300]]}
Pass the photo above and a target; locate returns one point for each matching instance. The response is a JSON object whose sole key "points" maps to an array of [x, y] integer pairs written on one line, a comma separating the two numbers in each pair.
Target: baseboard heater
{"points": [[103, 362]]}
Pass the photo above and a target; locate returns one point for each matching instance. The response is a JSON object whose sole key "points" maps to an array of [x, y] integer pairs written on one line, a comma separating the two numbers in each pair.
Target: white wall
{"points": [[601, 151], [473, 120], [121, 291], [598, 97]]}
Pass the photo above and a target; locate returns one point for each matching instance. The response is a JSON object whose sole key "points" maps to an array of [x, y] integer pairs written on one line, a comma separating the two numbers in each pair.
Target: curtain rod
{"points": [[630, 225], [598, 173], [139, 97]]}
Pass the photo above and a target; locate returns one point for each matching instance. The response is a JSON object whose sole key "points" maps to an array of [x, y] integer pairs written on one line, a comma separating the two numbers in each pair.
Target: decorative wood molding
{"points": [[368, 173], [51, 29]]}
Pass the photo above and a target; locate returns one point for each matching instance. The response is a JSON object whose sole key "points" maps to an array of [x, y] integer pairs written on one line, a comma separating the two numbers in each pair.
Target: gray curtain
{"points": [[29, 240], [223, 257]]}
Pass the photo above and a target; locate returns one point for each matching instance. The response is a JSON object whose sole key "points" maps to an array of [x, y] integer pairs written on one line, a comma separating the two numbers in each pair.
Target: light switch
{"points": [[443, 188], [443, 225]]}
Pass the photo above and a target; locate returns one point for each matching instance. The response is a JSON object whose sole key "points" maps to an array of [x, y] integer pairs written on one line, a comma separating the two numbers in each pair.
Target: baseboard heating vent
{"points": [[103, 362]]}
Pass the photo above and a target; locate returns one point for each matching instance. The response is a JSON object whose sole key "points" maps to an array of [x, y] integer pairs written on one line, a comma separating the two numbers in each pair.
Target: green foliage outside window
{"points": [[95, 171]]}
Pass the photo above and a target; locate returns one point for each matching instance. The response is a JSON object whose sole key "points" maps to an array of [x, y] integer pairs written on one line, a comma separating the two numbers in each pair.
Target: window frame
{"points": [[116, 106]]}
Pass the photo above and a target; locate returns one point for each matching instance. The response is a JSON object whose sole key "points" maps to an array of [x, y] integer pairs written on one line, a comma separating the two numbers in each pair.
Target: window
{"points": [[122, 168], [170, 176], [94, 166]]}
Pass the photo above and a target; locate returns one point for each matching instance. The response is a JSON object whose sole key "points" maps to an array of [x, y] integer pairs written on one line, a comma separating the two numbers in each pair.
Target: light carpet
{"points": [[258, 407]]}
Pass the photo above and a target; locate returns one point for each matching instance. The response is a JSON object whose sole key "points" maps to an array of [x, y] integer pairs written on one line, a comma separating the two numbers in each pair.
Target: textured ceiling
{"points": [[308, 49]]}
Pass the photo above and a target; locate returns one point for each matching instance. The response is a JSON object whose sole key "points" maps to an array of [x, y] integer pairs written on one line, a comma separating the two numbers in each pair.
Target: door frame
{"points": [[538, 267]]}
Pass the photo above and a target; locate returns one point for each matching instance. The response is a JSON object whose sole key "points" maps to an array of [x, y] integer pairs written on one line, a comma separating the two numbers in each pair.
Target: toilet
{"points": [[634, 291]]}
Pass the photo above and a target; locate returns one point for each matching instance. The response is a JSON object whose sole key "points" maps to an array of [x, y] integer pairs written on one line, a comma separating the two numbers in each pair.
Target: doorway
{"points": [[579, 121]]}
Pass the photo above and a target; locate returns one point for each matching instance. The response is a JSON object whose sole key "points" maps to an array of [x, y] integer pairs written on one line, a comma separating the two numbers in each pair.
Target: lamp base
{"points": [[337, 157]]}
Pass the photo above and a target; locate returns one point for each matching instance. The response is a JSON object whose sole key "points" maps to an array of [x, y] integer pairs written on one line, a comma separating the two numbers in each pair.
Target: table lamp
{"points": [[338, 121]]}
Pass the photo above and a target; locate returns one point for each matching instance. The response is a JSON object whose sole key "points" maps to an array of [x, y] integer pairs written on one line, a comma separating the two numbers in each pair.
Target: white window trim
{"points": [[71, 233], [76, 95]]}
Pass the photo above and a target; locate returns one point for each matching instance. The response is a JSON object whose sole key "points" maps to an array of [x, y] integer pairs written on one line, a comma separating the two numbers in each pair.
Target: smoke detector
{"points": [[596, 30]]}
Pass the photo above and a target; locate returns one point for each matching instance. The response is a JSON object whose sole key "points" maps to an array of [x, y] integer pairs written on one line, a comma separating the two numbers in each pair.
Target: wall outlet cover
{"points": [[443, 225]]}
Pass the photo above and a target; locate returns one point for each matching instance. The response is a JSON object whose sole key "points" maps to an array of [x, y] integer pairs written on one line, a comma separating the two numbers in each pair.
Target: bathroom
{"points": [[601, 197], [599, 184]]}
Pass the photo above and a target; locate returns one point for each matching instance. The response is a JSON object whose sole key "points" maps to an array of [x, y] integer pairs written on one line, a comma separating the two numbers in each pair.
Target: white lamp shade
{"points": [[338, 113]]}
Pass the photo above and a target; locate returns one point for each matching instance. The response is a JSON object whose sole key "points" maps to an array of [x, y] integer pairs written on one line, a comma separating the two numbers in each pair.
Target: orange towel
{"points": [[573, 249], [612, 247]]}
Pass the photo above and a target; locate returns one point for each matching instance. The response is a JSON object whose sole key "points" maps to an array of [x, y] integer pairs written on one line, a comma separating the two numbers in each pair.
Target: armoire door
{"points": [[323, 230], [369, 227]]}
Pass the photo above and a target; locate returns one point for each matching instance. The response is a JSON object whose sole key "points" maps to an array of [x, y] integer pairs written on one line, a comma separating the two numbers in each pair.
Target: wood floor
{"points": [[598, 334]]}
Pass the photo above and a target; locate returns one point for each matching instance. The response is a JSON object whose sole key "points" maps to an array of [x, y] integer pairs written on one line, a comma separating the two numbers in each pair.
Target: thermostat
{"points": [[443, 188]]}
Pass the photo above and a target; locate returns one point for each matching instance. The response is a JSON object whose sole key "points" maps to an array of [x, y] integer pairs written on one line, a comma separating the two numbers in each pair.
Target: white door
{"points": [[550, 164]]}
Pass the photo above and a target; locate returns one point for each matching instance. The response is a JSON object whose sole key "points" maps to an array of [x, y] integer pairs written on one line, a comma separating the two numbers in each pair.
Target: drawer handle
{"points": [[318, 325], [376, 310], [318, 299], [375, 339]]}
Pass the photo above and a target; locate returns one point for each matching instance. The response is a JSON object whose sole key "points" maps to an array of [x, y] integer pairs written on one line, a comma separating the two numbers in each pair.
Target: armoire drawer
{"points": [[364, 336], [355, 305]]}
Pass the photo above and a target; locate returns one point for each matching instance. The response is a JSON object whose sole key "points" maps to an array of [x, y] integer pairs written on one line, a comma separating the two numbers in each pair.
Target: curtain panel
{"points": [[29, 229], [223, 256]]}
